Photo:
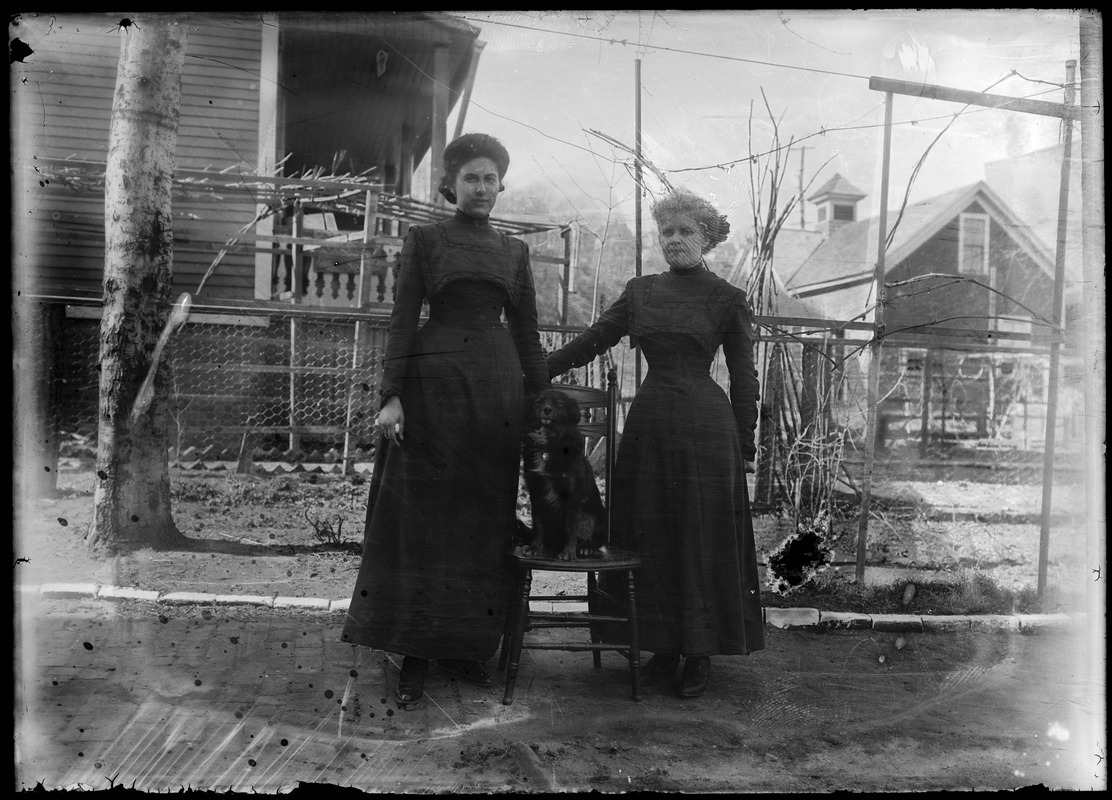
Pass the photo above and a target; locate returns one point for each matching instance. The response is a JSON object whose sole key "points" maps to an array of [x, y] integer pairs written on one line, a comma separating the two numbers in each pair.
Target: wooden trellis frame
{"points": [[1065, 111]]}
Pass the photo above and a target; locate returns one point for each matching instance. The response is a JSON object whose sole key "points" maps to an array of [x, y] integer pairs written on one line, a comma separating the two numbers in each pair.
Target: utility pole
{"points": [[637, 193]]}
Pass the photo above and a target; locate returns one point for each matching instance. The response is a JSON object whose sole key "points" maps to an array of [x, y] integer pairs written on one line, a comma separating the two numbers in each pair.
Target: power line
{"points": [[825, 130], [646, 46], [723, 165], [628, 43], [495, 113]]}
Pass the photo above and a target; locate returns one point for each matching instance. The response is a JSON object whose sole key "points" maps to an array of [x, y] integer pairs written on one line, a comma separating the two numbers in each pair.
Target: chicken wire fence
{"points": [[297, 387], [302, 387], [937, 411]]}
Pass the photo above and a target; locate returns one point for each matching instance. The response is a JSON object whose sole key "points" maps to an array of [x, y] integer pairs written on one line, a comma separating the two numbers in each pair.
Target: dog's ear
{"points": [[571, 410]]}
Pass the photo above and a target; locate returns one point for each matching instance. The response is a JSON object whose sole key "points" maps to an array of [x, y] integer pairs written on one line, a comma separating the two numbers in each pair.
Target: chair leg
{"points": [[634, 643], [517, 635], [512, 595], [592, 610]]}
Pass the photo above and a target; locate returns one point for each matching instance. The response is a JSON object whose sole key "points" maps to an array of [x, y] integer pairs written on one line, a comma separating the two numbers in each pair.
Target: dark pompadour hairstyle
{"points": [[475, 145], [460, 151]]}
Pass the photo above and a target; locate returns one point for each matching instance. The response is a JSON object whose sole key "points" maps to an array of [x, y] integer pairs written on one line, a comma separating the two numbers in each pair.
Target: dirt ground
{"points": [[299, 535], [239, 690]]}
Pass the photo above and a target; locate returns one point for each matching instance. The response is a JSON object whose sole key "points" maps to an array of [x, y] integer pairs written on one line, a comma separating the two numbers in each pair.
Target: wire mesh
{"points": [[303, 387], [291, 388]]}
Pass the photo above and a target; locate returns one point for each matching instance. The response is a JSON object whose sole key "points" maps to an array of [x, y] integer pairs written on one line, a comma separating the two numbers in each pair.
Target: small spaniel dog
{"points": [[569, 518]]}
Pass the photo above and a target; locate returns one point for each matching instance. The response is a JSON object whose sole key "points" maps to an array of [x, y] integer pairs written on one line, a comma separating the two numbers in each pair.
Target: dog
{"points": [[569, 518]]}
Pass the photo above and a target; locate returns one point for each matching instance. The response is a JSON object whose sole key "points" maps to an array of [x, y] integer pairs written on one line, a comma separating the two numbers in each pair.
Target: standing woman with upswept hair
{"points": [[680, 498], [432, 583]]}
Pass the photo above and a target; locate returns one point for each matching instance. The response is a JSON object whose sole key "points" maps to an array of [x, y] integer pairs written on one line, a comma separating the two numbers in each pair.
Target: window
{"points": [[822, 214], [973, 244], [843, 213]]}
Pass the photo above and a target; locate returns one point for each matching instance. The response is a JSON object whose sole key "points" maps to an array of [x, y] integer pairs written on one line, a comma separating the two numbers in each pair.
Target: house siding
{"points": [[62, 109], [965, 304]]}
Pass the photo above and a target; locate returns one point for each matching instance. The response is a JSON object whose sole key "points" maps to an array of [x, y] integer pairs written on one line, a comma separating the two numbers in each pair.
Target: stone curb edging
{"points": [[784, 618]]}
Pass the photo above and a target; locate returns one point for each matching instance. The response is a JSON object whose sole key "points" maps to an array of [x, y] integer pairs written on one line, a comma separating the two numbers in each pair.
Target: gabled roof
{"points": [[839, 186], [849, 256], [794, 245], [793, 248]]}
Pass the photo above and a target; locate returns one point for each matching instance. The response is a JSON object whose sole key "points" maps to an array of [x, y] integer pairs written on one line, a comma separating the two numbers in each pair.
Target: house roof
{"points": [[791, 245], [839, 186], [848, 256]]}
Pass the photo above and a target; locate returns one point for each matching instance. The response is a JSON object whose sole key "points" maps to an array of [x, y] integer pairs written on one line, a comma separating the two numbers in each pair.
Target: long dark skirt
{"points": [[681, 501], [433, 579]]}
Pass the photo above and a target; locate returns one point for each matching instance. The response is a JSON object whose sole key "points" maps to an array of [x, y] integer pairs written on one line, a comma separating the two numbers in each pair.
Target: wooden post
{"points": [[404, 186], [438, 140], [944, 392], [565, 281], [465, 101], [769, 431], [370, 211], [925, 413], [297, 271], [269, 137], [875, 347], [637, 190], [811, 429], [1055, 346]]}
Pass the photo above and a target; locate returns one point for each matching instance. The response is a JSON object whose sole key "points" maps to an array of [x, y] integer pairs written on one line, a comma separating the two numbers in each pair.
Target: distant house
{"points": [[963, 275], [1030, 184], [962, 260]]}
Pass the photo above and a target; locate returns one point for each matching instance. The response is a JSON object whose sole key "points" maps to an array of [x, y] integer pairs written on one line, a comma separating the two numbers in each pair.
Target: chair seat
{"points": [[612, 560], [585, 396], [592, 429]]}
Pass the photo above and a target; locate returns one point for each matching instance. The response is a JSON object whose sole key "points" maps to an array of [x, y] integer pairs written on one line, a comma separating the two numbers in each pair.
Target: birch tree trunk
{"points": [[132, 497]]}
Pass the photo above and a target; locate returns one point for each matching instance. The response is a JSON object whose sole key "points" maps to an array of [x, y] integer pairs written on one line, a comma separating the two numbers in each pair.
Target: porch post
{"points": [[268, 148], [439, 138]]}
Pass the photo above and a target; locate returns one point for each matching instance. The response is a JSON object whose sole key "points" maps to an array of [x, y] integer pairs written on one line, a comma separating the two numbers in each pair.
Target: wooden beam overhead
{"points": [[931, 92]]}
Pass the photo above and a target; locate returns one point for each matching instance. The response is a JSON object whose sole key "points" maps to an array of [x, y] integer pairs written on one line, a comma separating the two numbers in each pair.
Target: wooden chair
{"points": [[521, 619]]}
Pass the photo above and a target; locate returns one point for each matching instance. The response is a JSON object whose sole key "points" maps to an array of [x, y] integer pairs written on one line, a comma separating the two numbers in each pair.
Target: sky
{"points": [[548, 79]]}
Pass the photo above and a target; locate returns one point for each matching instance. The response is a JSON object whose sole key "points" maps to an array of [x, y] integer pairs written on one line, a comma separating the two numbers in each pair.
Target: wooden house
{"points": [[263, 94], [968, 292], [299, 137]]}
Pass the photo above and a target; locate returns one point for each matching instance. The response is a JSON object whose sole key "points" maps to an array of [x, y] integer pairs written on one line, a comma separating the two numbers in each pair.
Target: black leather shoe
{"points": [[411, 682], [696, 671], [660, 668], [467, 671]]}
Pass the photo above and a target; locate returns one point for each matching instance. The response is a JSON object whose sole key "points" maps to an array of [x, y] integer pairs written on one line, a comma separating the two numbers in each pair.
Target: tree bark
{"points": [[132, 499]]}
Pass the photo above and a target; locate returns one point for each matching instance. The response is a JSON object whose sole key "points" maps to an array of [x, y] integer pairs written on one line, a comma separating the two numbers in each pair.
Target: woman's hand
{"points": [[391, 420]]}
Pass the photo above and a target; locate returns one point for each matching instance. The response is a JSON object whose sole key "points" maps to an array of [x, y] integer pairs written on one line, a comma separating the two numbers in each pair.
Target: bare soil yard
{"points": [[971, 546]]}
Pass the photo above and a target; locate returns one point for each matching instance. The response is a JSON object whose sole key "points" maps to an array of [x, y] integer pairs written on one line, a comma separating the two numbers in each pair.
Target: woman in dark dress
{"points": [[441, 511], [680, 498]]}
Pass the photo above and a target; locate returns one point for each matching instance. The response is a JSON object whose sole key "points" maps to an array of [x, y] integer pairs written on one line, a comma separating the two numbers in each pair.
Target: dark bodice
{"points": [[468, 303], [471, 276], [679, 320]]}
